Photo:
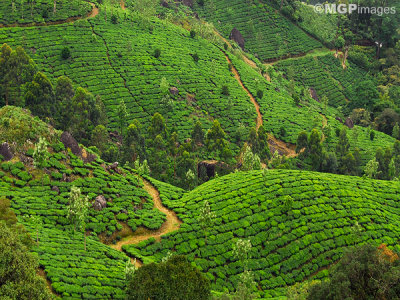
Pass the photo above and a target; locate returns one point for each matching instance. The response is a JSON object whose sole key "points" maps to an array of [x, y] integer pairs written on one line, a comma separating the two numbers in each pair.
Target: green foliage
{"points": [[174, 279], [65, 53], [40, 154], [285, 248], [18, 267], [364, 272]]}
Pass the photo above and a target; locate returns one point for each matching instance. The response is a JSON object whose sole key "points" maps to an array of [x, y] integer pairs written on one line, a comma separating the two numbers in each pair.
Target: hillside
{"points": [[73, 272], [288, 247]]}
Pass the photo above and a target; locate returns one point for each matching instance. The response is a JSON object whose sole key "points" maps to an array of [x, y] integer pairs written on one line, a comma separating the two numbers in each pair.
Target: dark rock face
{"points": [[188, 3], [164, 3], [56, 189], [277, 89], [99, 202], [6, 152], [69, 142], [349, 123], [314, 94], [174, 91], [237, 37], [339, 119]]}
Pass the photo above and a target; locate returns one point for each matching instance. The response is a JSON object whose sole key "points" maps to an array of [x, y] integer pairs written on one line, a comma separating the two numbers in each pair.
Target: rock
{"points": [[64, 177], [69, 142], [339, 119], [349, 123], [164, 3], [277, 89], [114, 167], [56, 189], [314, 95], [188, 3], [100, 202], [174, 91], [237, 37], [6, 152]]}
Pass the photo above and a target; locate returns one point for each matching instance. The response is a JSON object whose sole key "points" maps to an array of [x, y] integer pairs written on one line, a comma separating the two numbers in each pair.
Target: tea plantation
{"points": [[117, 62], [288, 246], [266, 32], [326, 75], [22, 12]]}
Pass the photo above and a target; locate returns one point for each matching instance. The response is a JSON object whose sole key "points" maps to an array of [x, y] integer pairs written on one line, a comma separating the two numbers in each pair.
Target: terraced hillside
{"points": [[17, 13], [266, 32], [117, 62], [98, 272], [299, 223], [326, 75]]}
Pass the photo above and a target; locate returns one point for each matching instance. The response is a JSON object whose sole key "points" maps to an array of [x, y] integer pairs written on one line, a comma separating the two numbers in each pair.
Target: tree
{"points": [[302, 142], [99, 137], [198, 133], [315, 149], [16, 69], [36, 223], [78, 210], [146, 9], [250, 161], [130, 269], [339, 44], [175, 278], [64, 92], [122, 116], [215, 137], [158, 126], [287, 203], [65, 53], [40, 154], [241, 252], [18, 267], [206, 218], [142, 168], [396, 131], [39, 95], [371, 168], [364, 272]]}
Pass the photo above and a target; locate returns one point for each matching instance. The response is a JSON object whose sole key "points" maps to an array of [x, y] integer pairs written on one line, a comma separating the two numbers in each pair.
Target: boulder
{"points": [[164, 3], [237, 37], [56, 189], [349, 123], [174, 91], [188, 3], [314, 95], [69, 142], [339, 119], [100, 202], [6, 152]]}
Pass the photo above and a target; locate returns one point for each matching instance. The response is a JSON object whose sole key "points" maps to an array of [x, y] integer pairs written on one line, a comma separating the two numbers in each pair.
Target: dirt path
{"points": [[93, 13], [259, 121], [122, 3], [172, 223]]}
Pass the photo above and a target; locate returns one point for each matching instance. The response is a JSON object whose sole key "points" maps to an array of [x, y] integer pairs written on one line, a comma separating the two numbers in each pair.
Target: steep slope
{"points": [[73, 272], [328, 213], [265, 31], [23, 13]]}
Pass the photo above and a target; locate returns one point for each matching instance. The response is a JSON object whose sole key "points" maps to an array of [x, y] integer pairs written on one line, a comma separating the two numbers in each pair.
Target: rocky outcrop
{"points": [[6, 152], [314, 95], [69, 142], [174, 91], [237, 37], [349, 123], [100, 202]]}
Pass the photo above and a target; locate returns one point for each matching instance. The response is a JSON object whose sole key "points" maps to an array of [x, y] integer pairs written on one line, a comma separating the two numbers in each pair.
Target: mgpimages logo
{"points": [[332, 8]]}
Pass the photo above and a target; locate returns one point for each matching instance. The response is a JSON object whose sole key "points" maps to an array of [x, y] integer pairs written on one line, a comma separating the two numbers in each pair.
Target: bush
{"points": [[114, 19], [196, 57], [157, 53], [225, 90], [45, 14], [260, 94], [192, 33], [225, 46], [65, 53], [372, 135]]}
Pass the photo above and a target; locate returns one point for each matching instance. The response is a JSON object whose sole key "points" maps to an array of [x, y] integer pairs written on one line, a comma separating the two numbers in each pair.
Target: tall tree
{"points": [[78, 210], [122, 114], [206, 218]]}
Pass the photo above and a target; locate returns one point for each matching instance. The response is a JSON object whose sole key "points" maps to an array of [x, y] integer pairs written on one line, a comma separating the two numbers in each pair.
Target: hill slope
{"points": [[288, 247]]}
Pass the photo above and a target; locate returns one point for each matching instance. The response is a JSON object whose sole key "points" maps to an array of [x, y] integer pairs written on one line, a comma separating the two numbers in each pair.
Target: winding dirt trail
{"points": [[172, 223], [259, 121], [93, 13]]}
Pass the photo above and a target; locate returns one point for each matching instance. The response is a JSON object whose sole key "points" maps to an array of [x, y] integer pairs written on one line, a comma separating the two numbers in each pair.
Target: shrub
{"points": [[226, 46], [196, 57], [65, 53], [45, 14], [282, 131], [192, 33], [114, 19], [225, 90], [260, 94], [157, 53], [372, 135]]}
